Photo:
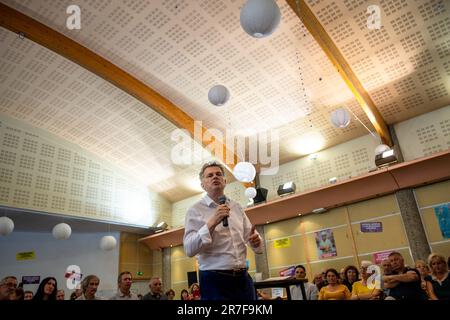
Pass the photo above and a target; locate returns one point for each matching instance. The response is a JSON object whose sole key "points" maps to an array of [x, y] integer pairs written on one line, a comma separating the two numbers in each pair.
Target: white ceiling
{"points": [[182, 48]]}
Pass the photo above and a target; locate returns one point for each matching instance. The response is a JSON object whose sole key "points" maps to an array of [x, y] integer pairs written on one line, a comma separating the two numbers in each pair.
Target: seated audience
{"points": [[156, 292], [319, 281], [124, 282], [404, 283], [424, 271], [438, 283], [170, 294], [184, 295], [351, 275], [7, 286], [360, 291], [60, 295], [194, 291], [47, 290], [17, 294], [334, 290], [28, 295], [89, 287], [310, 289]]}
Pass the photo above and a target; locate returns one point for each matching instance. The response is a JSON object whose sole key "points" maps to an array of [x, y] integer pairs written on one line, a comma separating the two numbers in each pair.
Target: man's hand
{"points": [[222, 211], [254, 238]]}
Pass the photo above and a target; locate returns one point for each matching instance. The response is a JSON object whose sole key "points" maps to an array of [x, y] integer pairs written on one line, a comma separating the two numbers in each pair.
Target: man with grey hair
{"points": [[156, 292], [217, 230], [7, 286]]}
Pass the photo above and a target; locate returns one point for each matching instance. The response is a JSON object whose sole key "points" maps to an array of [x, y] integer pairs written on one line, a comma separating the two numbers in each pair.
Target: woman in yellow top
{"points": [[360, 291], [334, 290]]}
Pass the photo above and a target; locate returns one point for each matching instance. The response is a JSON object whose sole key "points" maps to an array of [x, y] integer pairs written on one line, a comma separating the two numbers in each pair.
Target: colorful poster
{"points": [[371, 227], [288, 272], [443, 216], [380, 256], [282, 243], [326, 246]]}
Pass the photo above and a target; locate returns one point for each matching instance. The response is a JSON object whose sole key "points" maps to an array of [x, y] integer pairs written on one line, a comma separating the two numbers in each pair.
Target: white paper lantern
{"points": [[250, 192], [6, 226], [218, 95], [62, 231], [381, 148], [340, 118], [244, 172], [260, 18], [108, 243]]}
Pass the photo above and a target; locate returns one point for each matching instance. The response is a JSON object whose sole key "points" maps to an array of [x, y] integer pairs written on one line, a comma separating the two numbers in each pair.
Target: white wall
{"points": [[54, 256]]}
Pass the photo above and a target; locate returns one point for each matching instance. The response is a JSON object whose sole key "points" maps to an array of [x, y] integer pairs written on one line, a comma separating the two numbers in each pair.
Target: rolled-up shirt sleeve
{"points": [[196, 233]]}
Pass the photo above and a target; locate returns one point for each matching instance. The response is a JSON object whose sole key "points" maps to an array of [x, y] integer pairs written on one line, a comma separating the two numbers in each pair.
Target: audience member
{"points": [[310, 289], [424, 271], [351, 275], [404, 283], [360, 291], [28, 295], [47, 289], [184, 295], [60, 295], [438, 283], [89, 287], [319, 281], [124, 282], [342, 275], [170, 294], [156, 292], [334, 290], [7, 287], [194, 291], [77, 293], [17, 294]]}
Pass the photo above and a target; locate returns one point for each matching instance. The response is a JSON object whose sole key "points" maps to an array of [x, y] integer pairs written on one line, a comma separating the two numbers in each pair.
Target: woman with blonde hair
{"points": [[360, 290], [424, 271], [438, 283]]}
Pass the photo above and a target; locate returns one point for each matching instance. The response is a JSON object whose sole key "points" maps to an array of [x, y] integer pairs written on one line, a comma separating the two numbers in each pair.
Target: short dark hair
{"points": [[119, 278], [395, 253], [350, 267], [211, 164], [332, 270], [300, 266]]}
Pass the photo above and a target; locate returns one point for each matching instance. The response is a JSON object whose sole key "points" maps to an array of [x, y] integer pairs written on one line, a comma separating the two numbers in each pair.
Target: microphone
{"points": [[222, 200]]}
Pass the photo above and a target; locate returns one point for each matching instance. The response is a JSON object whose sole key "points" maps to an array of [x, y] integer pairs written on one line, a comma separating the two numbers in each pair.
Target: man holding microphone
{"points": [[217, 230]]}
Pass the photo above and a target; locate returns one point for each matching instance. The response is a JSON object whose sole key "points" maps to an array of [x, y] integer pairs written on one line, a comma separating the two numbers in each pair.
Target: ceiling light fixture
{"points": [[260, 18], [218, 95]]}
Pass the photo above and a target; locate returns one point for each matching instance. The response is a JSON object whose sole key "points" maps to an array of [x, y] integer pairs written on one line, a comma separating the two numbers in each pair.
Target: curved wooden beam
{"points": [[17, 22], [318, 32]]}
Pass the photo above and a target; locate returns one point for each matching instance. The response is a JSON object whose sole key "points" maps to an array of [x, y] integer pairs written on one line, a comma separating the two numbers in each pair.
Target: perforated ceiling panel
{"points": [[182, 48]]}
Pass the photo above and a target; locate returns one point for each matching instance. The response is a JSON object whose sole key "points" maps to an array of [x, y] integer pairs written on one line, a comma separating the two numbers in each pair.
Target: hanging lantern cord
{"points": [[356, 117]]}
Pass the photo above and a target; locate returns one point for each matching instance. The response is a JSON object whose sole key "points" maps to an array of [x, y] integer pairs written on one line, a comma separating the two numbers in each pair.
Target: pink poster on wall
{"points": [[380, 256]]}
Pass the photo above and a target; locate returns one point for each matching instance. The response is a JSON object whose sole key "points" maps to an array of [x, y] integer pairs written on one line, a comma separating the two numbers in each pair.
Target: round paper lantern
{"points": [[250, 192], [340, 118], [260, 18], [108, 243], [62, 231], [381, 148], [244, 172], [218, 95], [6, 226]]}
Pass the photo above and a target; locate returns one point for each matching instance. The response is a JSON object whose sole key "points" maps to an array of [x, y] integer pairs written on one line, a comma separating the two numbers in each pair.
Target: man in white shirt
{"points": [[310, 289], [124, 282], [221, 249]]}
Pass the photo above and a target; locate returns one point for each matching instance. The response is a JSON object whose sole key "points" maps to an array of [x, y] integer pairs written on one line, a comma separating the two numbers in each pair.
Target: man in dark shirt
{"points": [[156, 292], [404, 283]]}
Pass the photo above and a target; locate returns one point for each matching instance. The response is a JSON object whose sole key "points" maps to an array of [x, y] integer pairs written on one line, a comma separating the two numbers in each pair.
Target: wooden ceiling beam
{"points": [[318, 32], [33, 30]]}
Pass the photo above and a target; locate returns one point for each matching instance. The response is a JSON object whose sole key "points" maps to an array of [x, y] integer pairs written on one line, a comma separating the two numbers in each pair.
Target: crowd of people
{"points": [[398, 282]]}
